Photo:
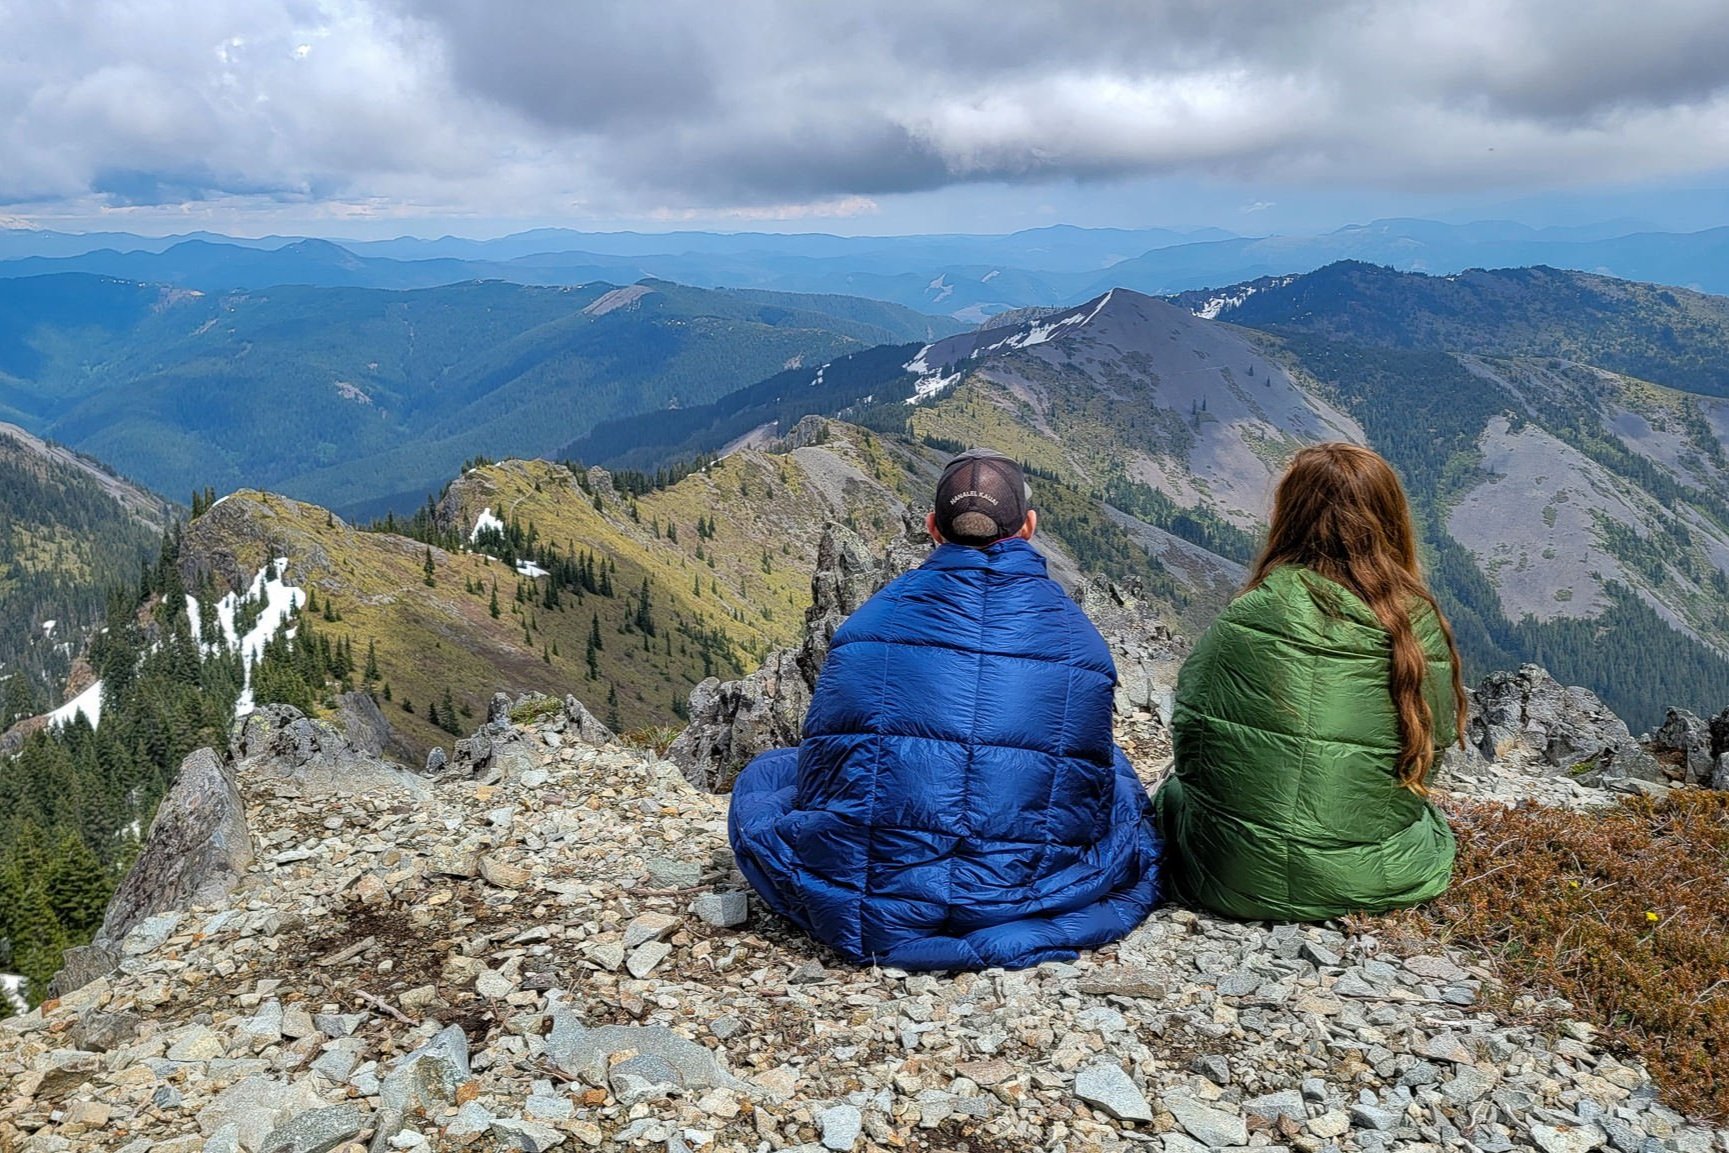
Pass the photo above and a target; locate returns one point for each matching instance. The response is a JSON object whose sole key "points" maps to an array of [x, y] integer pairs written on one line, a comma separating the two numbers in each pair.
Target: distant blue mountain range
{"points": [[966, 277]]}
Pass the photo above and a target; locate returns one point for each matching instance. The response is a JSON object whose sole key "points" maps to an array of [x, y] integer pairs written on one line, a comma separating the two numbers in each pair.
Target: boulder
{"points": [[196, 852], [281, 745], [584, 725], [363, 724]]}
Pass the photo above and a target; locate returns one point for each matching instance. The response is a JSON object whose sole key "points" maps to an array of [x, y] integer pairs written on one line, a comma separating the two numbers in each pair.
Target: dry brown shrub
{"points": [[1624, 912]]}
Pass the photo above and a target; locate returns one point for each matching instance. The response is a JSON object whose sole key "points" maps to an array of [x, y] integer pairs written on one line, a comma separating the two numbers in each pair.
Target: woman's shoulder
{"points": [[1291, 598]]}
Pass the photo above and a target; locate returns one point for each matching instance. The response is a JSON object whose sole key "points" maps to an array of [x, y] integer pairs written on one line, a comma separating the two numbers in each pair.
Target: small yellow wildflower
{"points": [[1650, 916]]}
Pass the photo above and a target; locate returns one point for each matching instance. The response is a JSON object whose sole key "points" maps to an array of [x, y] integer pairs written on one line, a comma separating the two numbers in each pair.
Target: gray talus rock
{"points": [[1210, 1125], [280, 744], [316, 1130], [582, 1052], [196, 852], [1105, 1086], [253, 1108], [426, 1078]]}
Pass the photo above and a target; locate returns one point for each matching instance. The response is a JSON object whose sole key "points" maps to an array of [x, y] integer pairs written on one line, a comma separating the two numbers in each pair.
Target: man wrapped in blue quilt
{"points": [[957, 801]]}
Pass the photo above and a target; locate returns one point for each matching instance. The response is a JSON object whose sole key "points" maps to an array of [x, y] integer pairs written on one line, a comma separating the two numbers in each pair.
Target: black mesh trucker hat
{"points": [[981, 498]]}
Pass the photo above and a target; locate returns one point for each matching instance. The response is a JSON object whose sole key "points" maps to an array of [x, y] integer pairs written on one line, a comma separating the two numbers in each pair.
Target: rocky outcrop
{"points": [[584, 725], [733, 721], [198, 849], [1567, 727], [280, 745], [1719, 727], [498, 751], [1147, 653], [1683, 744], [363, 724]]}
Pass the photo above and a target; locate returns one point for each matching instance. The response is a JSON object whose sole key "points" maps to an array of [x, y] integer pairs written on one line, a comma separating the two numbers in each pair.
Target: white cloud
{"points": [[781, 109]]}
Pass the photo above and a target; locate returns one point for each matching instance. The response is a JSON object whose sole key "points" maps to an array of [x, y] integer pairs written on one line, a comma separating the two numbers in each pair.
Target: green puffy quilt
{"points": [[1284, 804]]}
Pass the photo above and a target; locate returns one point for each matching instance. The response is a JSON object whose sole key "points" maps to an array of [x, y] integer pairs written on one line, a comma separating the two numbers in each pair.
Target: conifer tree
{"points": [[77, 887], [493, 606], [429, 567], [40, 940]]}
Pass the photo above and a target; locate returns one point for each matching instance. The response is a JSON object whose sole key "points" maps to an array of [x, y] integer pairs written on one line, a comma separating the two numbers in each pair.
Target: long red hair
{"points": [[1340, 511]]}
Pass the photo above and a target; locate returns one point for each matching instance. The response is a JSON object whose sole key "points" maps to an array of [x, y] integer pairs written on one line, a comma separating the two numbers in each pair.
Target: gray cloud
{"points": [[521, 107]]}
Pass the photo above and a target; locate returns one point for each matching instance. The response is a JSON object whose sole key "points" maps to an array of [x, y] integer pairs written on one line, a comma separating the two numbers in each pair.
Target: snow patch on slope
{"points": [[932, 381], [12, 989], [483, 522], [88, 702], [280, 599], [1221, 304]]}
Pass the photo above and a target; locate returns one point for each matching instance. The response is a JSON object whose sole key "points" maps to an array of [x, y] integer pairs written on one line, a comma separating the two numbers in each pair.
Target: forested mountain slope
{"points": [[527, 575], [1672, 336], [355, 396], [70, 533]]}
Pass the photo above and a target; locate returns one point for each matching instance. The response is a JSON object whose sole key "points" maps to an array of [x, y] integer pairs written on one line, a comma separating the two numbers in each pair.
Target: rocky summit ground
{"points": [[548, 947]]}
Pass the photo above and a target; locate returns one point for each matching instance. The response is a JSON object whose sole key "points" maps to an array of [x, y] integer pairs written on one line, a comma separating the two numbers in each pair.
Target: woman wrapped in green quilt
{"points": [[1312, 712]]}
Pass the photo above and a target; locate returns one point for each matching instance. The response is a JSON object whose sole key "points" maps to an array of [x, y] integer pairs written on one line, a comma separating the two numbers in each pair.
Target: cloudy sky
{"points": [[369, 117]]}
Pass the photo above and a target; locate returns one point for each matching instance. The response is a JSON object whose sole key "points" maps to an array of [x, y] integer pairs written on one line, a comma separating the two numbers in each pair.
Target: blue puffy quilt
{"points": [[957, 801]]}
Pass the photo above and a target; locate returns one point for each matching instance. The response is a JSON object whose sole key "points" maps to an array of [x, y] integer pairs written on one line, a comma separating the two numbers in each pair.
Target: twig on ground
{"points": [[384, 1006]]}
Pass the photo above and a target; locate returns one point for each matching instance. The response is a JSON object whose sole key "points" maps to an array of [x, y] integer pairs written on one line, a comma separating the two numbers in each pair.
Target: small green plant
{"points": [[655, 738], [535, 710]]}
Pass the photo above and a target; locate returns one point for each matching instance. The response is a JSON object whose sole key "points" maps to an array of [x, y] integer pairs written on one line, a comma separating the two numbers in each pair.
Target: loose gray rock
{"points": [[642, 1077], [1271, 1106], [1107, 1087], [425, 1078], [316, 1131], [582, 1052], [840, 1126], [1374, 1117], [1555, 1139], [1207, 1124], [528, 1136], [722, 910]]}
